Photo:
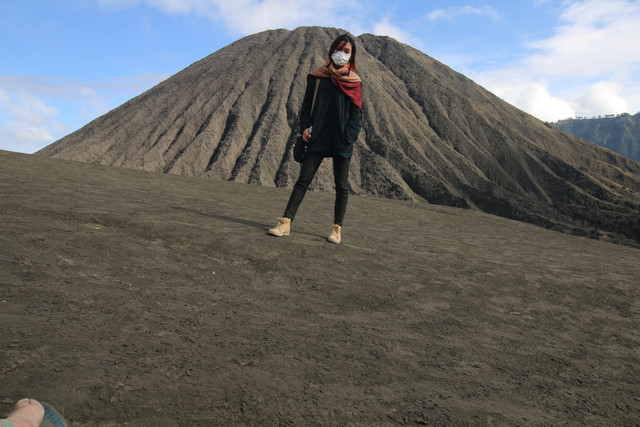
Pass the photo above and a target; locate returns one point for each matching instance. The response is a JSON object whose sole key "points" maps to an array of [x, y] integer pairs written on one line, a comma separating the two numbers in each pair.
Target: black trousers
{"points": [[308, 170]]}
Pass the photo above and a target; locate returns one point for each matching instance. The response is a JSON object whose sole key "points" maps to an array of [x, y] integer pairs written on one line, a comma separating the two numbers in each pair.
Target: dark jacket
{"points": [[336, 119]]}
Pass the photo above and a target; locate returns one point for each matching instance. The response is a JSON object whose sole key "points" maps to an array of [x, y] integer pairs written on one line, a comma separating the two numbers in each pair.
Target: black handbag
{"points": [[300, 147]]}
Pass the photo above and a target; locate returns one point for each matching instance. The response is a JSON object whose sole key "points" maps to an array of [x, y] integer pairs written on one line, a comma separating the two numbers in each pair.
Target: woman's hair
{"points": [[336, 43]]}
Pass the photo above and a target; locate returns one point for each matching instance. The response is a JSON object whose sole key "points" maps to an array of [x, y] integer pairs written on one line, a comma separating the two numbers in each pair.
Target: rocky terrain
{"points": [[430, 134], [133, 298]]}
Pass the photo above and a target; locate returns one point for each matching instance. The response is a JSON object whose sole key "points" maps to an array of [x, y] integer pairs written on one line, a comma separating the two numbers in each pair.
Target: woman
{"points": [[330, 131]]}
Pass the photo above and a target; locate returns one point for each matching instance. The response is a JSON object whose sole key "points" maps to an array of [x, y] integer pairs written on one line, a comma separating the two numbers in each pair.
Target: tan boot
{"points": [[335, 236], [282, 229]]}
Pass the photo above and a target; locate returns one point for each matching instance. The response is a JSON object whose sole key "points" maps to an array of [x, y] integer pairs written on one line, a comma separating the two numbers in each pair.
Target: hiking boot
{"points": [[282, 229], [335, 237]]}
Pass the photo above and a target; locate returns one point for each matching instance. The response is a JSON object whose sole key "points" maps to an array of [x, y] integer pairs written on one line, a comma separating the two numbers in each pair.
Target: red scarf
{"points": [[349, 84]]}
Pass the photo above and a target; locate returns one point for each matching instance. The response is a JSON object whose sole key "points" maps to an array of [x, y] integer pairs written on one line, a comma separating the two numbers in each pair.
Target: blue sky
{"points": [[66, 62]]}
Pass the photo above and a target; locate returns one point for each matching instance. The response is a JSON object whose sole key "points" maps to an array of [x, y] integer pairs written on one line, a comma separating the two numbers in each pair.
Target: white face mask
{"points": [[340, 58]]}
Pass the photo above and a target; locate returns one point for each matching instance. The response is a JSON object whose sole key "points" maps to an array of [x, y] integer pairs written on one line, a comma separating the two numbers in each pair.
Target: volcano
{"points": [[429, 134]]}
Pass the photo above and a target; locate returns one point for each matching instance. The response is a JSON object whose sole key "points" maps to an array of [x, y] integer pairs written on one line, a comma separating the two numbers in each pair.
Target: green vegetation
{"points": [[619, 133]]}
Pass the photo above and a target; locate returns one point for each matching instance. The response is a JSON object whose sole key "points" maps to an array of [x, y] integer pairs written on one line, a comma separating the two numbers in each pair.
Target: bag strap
{"points": [[315, 92]]}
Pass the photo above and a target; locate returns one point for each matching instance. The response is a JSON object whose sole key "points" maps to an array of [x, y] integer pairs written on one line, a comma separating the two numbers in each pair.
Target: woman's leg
{"points": [[308, 170], [341, 177]]}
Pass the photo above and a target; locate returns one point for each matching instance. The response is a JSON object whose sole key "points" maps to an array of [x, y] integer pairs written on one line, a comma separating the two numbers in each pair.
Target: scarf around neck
{"points": [[347, 81]]}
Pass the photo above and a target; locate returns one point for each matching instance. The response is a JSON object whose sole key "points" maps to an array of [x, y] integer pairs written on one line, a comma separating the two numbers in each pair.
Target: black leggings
{"points": [[308, 170]]}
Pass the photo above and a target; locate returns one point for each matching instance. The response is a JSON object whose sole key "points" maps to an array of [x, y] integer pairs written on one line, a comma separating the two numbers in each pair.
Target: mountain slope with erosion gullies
{"points": [[429, 134]]}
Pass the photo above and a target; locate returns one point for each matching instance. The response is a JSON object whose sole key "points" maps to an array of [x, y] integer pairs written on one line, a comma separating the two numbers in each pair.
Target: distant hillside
{"points": [[620, 134]]}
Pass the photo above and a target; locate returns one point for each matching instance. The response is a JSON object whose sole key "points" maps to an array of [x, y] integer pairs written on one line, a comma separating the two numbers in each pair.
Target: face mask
{"points": [[340, 58]]}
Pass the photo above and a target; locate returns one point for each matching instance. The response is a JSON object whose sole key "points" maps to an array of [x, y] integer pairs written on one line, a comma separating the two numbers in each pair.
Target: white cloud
{"points": [[597, 37], [602, 98], [535, 96], [385, 28], [249, 16], [26, 122], [589, 67], [452, 13], [531, 96], [537, 100], [36, 111], [252, 16]]}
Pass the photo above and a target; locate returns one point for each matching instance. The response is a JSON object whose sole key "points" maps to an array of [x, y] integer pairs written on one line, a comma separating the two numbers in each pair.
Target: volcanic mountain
{"points": [[429, 134]]}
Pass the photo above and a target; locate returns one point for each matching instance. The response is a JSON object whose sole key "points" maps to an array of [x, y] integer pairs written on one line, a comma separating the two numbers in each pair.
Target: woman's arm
{"points": [[354, 124], [305, 112]]}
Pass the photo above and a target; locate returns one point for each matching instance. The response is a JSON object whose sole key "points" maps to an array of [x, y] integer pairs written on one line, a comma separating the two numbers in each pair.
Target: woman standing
{"points": [[330, 131]]}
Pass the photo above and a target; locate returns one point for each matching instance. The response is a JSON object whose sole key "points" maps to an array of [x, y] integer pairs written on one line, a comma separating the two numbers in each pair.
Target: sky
{"points": [[67, 62]]}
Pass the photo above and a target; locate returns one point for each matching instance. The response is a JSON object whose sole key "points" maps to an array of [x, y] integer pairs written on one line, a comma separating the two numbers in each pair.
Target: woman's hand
{"points": [[306, 135]]}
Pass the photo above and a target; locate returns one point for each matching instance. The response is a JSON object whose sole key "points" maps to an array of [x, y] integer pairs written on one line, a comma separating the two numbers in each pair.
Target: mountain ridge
{"points": [[429, 134], [619, 133]]}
